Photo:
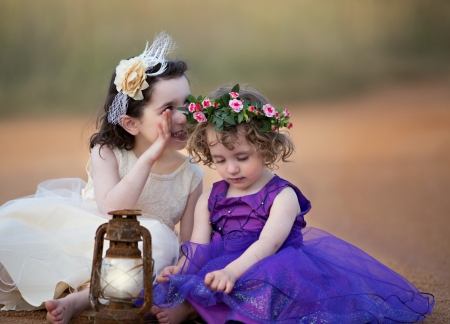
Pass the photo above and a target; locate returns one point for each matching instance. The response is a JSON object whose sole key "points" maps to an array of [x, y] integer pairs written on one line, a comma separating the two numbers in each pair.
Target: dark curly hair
{"points": [[114, 135], [272, 146]]}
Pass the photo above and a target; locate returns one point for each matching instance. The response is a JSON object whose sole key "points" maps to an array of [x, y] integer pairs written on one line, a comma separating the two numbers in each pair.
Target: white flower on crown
{"points": [[236, 105], [269, 111], [130, 77]]}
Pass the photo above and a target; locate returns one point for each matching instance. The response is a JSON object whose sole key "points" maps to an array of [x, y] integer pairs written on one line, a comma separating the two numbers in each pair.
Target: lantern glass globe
{"points": [[121, 278]]}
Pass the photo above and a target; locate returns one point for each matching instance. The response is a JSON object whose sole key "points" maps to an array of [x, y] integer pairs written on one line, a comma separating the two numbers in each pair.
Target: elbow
{"points": [[275, 247]]}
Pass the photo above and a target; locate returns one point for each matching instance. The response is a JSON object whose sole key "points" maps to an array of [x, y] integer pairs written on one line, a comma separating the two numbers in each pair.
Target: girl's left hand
{"points": [[221, 280]]}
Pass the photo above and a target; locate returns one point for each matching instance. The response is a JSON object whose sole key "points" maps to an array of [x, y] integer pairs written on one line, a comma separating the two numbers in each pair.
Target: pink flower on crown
{"points": [[236, 105], [251, 108], [289, 126], [274, 128], [198, 107], [206, 103], [234, 95], [286, 113], [192, 107], [200, 117], [215, 105], [269, 111], [276, 115], [256, 112]]}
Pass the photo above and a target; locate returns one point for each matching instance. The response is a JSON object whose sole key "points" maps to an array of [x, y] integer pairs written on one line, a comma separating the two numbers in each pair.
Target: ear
{"points": [[130, 124]]}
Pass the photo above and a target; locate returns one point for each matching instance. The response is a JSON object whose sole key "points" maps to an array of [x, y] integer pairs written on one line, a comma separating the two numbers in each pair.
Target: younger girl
{"points": [[47, 240], [251, 259]]}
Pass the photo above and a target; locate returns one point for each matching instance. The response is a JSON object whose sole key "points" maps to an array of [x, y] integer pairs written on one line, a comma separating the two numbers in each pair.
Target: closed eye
{"points": [[242, 158], [218, 161]]}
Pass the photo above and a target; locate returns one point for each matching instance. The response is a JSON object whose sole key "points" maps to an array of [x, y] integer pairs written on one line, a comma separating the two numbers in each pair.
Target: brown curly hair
{"points": [[272, 146], [114, 135]]}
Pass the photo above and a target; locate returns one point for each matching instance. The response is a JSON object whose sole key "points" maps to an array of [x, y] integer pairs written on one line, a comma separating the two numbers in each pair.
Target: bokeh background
{"points": [[57, 55], [368, 84]]}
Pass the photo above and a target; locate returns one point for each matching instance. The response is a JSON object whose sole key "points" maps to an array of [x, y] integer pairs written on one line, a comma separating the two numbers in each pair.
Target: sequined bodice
{"points": [[250, 213]]}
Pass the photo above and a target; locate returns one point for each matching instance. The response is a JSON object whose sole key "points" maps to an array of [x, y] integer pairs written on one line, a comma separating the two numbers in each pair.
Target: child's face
{"points": [[167, 94], [240, 167]]}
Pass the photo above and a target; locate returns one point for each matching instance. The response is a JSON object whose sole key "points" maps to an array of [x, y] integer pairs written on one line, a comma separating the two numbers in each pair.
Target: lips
{"points": [[181, 135], [236, 180]]}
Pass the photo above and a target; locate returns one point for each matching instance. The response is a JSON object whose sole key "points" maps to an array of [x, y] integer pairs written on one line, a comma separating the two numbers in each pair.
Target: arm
{"points": [[201, 233], [284, 210], [116, 193], [187, 219]]}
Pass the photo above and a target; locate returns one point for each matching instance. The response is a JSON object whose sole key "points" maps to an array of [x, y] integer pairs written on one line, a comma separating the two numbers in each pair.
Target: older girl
{"points": [[47, 240]]}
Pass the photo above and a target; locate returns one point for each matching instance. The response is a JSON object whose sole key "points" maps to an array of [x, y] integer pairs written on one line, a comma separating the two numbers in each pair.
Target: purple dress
{"points": [[315, 277]]}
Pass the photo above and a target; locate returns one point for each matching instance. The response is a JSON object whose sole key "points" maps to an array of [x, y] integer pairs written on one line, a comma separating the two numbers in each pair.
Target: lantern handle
{"points": [[96, 268], [148, 269]]}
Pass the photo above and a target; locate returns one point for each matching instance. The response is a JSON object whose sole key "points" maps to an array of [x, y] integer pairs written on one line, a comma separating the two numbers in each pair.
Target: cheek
{"points": [[221, 169]]}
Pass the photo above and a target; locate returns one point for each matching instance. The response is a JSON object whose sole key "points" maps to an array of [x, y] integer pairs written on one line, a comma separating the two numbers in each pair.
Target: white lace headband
{"points": [[131, 74]]}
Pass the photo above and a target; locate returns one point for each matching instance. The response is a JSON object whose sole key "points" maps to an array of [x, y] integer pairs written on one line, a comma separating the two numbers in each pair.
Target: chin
{"points": [[176, 145]]}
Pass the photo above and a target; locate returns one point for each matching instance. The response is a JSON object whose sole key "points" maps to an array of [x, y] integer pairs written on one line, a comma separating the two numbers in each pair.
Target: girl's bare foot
{"points": [[174, 315], [61, 311]]}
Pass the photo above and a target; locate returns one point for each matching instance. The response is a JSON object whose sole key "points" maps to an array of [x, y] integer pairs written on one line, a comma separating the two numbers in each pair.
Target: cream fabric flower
{"points": [[130, 77]]}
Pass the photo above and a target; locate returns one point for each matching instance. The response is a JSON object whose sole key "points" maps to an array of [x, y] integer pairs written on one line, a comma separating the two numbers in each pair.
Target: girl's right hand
{"points": [[164, 276], [221, 280], [155, 151]]}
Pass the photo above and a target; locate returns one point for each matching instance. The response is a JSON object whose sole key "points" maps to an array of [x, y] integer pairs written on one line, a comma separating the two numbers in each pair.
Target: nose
{"points": [[232, 168], [178, 117]]}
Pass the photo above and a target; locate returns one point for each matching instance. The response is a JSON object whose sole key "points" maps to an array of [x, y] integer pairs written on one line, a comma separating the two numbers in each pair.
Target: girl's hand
{"points": [[155, 151], [164, 276], [221, 280]]}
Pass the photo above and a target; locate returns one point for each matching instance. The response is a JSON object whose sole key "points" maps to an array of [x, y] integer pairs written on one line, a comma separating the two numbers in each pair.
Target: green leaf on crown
{"points": [[218, 129], [230, 120], [235, 88], [218, 121], [225, 99], [265, 125], [240, 117], [191, 99]]}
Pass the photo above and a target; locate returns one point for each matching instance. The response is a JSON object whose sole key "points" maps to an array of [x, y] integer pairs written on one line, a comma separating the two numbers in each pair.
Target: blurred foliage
{"points": [[58, 55]]}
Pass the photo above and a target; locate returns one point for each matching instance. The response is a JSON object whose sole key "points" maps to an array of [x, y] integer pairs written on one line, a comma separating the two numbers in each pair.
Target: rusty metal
{"points": [[124, 232]]}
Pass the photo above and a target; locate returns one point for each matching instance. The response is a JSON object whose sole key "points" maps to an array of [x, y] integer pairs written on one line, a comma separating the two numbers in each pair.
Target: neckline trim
{"points": [[223, 194]]}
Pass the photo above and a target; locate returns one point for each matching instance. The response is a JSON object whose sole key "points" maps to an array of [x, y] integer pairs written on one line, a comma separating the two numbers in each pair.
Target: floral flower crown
{"points": [[131, 74], [231, 110]]}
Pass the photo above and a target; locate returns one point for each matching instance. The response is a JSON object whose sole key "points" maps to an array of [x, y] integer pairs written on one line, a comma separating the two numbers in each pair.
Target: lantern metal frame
{"points": [[124, 232]]}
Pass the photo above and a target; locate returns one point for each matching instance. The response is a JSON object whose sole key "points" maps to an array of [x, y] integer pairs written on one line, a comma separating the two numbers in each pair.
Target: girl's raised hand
{"points": [[155, 151], [164, 275], [221, 280]]}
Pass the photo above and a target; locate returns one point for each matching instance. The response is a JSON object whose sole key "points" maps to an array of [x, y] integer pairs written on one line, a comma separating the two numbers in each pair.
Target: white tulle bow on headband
{"points": [[131, 74]]}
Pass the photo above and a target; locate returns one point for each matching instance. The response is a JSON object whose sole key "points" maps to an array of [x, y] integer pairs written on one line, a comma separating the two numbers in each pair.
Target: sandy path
{"points": [[376, 168]]}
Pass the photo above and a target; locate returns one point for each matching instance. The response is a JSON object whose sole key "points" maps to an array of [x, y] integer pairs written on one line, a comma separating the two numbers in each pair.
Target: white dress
{"points": [[47, 239]]}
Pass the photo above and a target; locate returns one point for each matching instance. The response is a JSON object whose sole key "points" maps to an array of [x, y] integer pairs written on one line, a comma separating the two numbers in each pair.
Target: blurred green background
{"points": [[57, 56]]}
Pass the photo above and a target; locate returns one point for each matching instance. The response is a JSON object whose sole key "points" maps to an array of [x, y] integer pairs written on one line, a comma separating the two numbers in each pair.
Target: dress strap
{"points": [[219, 190]]}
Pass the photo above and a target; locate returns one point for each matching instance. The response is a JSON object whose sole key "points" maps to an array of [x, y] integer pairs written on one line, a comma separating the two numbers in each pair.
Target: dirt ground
{"points": [[376, 168]]}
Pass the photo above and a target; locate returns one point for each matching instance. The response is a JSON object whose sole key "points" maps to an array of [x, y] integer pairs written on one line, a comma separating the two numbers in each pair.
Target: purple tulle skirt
{"points": [[317, 278]]}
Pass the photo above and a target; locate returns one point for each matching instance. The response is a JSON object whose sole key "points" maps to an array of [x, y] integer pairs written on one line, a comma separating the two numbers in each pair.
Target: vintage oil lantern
{"points": [[119, 276]]}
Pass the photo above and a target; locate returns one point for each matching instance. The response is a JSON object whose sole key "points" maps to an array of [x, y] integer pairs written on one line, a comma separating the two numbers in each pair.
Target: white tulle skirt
{"points": [[47, 242]]}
